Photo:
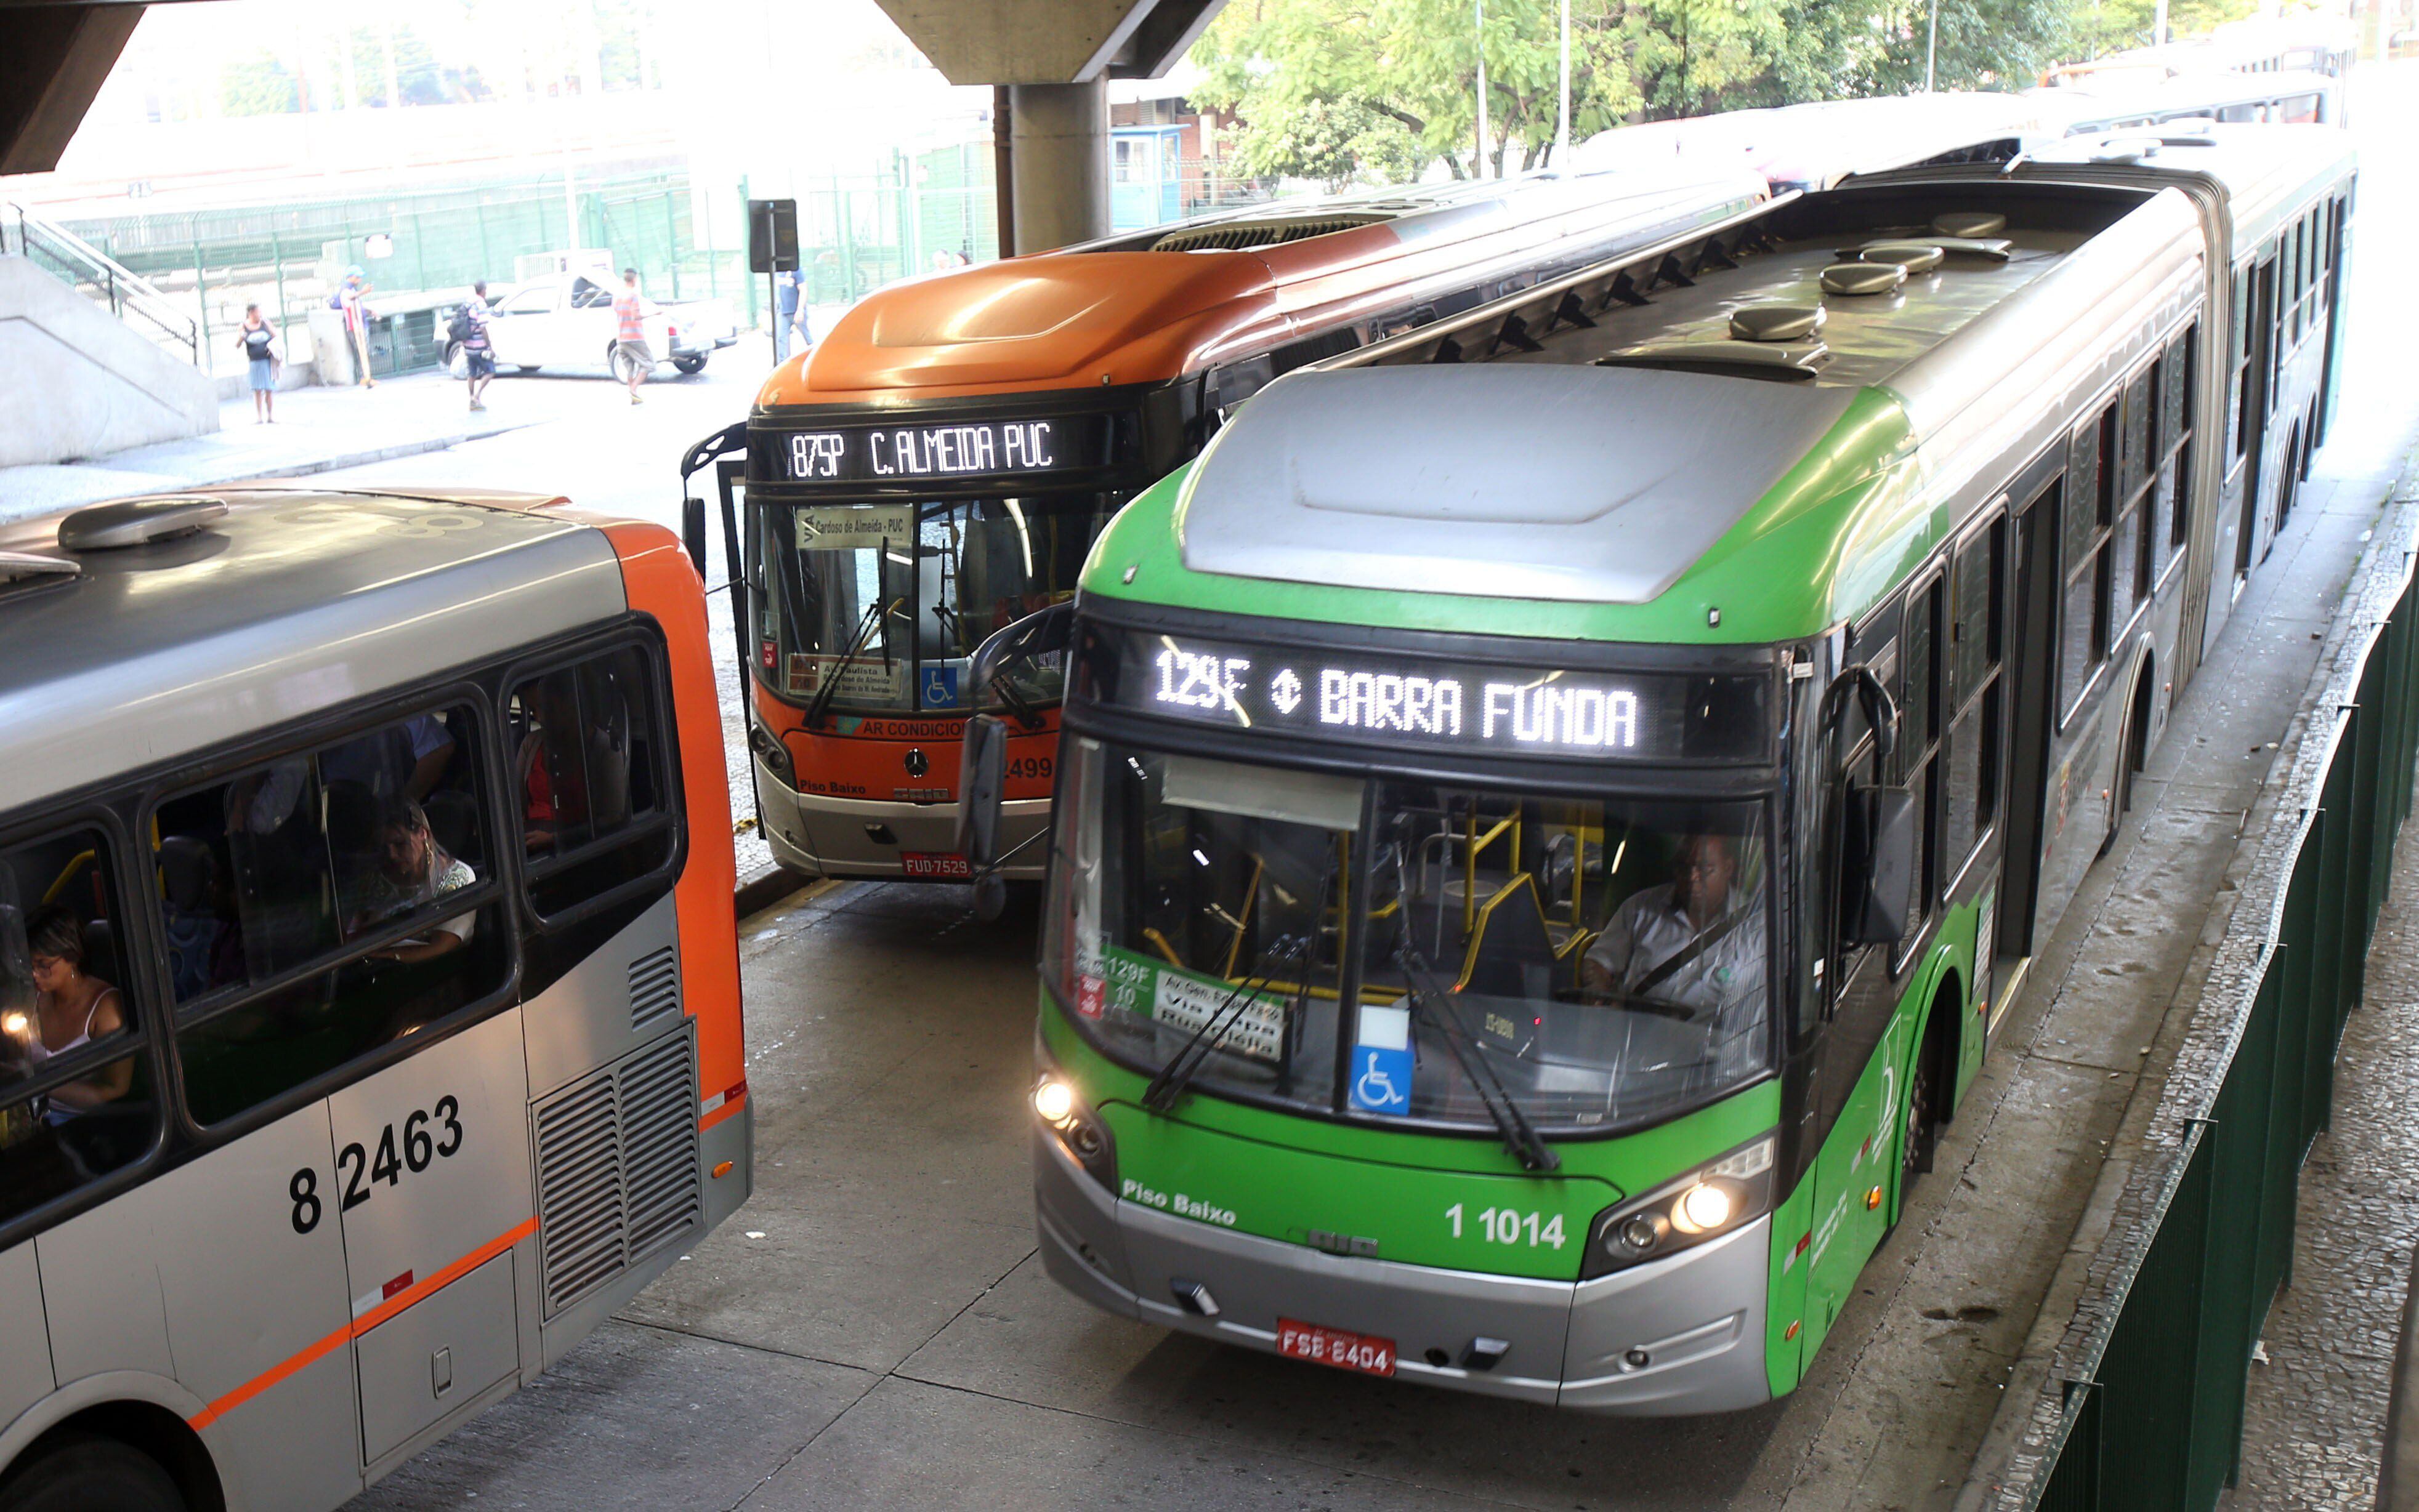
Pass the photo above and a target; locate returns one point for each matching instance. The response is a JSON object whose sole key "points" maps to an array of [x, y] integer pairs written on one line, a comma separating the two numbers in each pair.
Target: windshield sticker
{"points": [[867, 679], [940, 688], [1381, 1061], [1139, 985], [851, 526]]}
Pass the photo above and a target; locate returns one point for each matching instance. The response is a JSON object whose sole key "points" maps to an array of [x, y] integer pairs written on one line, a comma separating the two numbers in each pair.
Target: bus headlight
{"points": [[1055, 1101], [1078, 1130], [1715, 1199]]}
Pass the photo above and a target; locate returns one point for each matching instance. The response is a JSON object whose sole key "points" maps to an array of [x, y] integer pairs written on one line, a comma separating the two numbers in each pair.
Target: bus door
{"points": [[2033, 651]]}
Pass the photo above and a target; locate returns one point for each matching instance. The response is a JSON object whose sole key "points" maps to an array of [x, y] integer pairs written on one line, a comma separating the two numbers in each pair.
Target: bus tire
{"points": [[89, 1474], [1924, 1095]]}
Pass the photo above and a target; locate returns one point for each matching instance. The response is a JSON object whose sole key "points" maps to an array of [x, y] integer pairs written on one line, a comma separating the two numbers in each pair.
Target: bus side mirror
{"points": [[1878, 869], [983, 777], [1037, 634]]}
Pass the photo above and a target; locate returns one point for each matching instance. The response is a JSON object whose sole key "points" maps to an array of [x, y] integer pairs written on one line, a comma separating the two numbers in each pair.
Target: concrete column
{"points": [[1058, 162]]}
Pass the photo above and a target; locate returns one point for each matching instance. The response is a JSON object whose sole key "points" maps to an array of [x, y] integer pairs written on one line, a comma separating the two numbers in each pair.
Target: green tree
{"points": [[1303, 77], [258, 85]]}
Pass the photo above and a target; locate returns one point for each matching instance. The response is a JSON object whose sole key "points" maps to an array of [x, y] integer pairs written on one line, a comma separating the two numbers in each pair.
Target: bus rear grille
{"points": [[654, 988], [616, 1169]]}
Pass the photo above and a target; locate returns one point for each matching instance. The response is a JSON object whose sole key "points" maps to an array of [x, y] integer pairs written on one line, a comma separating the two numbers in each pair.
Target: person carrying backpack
{"points": [[470, 330]]}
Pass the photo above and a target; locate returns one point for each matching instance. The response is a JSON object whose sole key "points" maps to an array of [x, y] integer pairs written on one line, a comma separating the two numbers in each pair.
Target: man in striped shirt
{"points": [[631, 354]]}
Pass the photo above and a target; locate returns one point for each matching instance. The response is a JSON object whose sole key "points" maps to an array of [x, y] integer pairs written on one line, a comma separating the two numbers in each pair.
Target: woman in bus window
{"points": [[73, 1010], [415, 871]]}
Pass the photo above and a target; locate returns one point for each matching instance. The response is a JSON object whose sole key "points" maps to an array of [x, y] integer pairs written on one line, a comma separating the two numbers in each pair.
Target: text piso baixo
{"points": [[1179, 1205], [1536, 713]]}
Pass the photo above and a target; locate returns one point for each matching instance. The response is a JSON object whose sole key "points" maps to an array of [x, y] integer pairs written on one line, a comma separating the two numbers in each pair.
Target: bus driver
{"points": [[1691, 943]]}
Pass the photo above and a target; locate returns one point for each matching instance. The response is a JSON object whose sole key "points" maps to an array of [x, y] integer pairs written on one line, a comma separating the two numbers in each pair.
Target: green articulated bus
{"points": [[1554, 804]]}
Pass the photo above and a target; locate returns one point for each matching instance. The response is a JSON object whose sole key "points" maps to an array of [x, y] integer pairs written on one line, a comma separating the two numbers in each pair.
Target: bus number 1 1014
{"points": [[1504, 1225]]}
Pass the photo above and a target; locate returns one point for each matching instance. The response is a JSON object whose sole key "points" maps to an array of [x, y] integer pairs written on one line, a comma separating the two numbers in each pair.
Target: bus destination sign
{"points": [[943, 450], [1376, 697]]}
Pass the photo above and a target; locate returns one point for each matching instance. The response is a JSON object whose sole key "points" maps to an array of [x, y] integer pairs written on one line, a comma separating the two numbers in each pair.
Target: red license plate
{"points": [[935, 863], [1364, 1352]]}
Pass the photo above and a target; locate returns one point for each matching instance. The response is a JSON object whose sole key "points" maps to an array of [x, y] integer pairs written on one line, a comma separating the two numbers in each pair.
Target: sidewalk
{"points": [[2315, 1412], [317, 429]]}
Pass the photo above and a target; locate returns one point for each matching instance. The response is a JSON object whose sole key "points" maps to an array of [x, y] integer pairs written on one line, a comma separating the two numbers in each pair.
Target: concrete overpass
{"points": [[1049, 60]]}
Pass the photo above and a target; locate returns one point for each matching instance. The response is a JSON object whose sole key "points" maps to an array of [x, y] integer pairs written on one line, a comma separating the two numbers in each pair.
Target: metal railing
{"points": [[131, 298], [2144, 1407]]}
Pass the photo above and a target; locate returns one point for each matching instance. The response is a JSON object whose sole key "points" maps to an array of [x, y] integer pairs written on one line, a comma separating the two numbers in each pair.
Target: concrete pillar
{"points": [[1058, 162]]}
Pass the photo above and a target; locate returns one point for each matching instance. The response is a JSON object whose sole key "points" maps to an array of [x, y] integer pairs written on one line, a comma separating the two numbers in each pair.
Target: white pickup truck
{"points": [[565, 320]]}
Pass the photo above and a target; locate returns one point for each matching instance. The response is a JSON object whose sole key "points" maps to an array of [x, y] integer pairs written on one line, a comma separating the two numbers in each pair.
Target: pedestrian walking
{"points": [[631, 352], [787, 297], [259, 340], [478, 351], [348, 298]]}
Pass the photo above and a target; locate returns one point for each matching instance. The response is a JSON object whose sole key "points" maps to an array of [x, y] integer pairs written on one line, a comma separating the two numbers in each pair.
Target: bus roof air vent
{"points": [[1863, 278], [17, 566], [1915, 256], [137, 521], [1776, 322], [1241, 235], [1964, 224], [2125, 149], [1730, 359]]}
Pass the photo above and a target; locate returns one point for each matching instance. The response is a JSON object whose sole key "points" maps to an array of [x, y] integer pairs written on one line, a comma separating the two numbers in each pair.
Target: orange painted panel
{"points": [[661, 582]]}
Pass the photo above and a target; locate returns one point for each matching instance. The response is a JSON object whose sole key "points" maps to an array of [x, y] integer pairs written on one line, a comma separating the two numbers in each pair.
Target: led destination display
{"points": [[1377, 699], [943, 450]]}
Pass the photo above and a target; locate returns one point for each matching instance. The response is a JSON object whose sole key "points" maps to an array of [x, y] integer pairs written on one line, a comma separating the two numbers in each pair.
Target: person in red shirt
{"points": [[631, 352]]}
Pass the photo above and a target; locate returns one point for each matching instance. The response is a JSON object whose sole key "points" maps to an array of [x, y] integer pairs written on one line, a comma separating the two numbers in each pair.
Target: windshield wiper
{"points": [[1186, 1064], [824, 694], [1520, 1136]]}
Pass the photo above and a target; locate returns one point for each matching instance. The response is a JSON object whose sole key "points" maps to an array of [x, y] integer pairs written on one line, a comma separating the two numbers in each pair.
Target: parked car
{"points": [[565, 320]]}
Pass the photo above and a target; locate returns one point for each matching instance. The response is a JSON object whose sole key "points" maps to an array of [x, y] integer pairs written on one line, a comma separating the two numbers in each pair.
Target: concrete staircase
{"points": [[95, 359]]}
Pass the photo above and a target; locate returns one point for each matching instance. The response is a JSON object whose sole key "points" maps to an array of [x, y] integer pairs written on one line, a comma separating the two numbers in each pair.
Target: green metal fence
{"points": [[2145, 1408]]}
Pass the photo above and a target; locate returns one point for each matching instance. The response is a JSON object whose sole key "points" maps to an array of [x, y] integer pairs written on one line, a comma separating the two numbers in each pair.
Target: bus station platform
{"points": [[874, 1329]]}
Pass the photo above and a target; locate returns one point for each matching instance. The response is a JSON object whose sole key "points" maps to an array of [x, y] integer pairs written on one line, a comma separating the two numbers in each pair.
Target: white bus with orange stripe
{"points": [[369, 1011]]}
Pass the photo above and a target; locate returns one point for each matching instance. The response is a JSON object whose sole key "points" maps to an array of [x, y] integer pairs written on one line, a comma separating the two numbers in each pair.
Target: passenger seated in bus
{"points": [[574, 782], [71, 1010], [415, 870], [406, 759], [1692, 944]]}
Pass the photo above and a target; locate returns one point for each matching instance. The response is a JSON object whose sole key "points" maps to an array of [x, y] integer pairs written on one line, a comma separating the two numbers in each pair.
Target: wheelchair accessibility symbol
{"points": [[940, 690], [1381, 1081]]}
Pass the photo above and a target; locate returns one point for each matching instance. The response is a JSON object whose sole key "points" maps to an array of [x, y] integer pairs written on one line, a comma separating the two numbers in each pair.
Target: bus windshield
{"points": [[1607, 958], [889, 600]]}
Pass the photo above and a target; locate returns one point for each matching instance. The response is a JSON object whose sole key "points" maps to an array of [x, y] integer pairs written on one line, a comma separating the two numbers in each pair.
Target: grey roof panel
{"points": [[1576, 484], [291, 604]]}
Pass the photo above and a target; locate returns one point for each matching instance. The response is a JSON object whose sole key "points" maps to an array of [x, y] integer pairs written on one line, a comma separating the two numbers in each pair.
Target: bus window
{"points": [[589, 768], [2240, 415], [365, 865], [2177, 372], [1972, 799], [1919, 740], [75, 1093], [883, 604], [2083, 620]]}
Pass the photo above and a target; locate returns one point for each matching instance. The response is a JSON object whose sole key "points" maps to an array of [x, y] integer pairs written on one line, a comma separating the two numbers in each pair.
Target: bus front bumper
{"points": [[860, 837], [1697, 1320]]}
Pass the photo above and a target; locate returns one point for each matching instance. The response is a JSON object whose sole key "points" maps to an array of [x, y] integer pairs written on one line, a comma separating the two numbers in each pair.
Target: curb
{"points": [[362, 459], [2397, 1472], [760, 890]]}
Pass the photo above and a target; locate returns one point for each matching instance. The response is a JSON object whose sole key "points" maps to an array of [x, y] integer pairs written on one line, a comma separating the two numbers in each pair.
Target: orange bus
{"points": [[937, 468]]}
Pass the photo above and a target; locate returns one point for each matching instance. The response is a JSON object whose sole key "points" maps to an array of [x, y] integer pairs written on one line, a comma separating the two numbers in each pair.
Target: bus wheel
{"points": [[92, 1474], [1922, 1103]]}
